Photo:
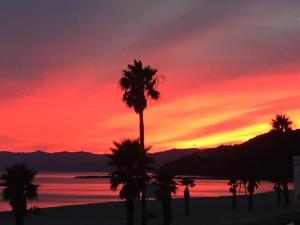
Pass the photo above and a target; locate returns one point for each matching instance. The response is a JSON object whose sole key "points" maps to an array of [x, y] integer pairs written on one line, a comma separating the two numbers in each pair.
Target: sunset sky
{"points": [[228, 67]]}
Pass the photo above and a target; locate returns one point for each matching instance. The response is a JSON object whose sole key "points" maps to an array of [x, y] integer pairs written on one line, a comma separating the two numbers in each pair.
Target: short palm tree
{"points": [[278, 189], [282, 125], [139, 83], [18, 187], [128, 158], [233, 183], [242, 184], [252, 185], [187, 182], [166, 186]]}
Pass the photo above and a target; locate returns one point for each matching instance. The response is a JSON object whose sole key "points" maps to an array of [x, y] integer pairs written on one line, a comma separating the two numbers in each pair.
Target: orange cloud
{"points": [[85, 115]]}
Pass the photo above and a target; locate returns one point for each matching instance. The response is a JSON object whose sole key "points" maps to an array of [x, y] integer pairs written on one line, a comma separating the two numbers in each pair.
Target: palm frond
{"points": [[131, 164], [138, 84], [281, 123], [187, 181], [17, 181]]}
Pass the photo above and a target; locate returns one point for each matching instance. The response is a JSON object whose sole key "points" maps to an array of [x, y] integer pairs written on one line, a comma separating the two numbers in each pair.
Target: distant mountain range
{"points": [[263, 156], [78, 161], [266, 156]]}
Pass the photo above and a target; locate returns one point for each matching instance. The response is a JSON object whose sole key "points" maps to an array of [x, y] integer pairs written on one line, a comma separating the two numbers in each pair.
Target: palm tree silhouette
{"points": [[18, 187], [187, 182], [278, 189], [128, 158], [251, 187], [242, 184], [166, 186], [139, 83], [281, 125], [233, 183]]}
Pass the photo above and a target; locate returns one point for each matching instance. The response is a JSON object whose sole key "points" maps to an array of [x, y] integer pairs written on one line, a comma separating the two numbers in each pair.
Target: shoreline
{"points": [[119, 201], [204, 210]]}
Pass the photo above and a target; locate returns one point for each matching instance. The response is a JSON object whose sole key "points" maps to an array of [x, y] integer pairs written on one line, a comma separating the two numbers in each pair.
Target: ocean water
{"points": [[58, 189]]}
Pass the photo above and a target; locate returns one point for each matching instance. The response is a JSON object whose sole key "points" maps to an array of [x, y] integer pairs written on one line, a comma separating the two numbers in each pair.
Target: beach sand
{"points": [[204, 211]]}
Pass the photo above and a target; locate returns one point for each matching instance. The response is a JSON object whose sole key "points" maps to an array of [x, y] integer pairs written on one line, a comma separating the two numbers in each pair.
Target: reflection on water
{"points": [[57, 189]]}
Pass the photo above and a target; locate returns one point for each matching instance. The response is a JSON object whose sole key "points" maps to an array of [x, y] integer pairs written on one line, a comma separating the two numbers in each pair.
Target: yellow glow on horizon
{"points": [[236, 136]]}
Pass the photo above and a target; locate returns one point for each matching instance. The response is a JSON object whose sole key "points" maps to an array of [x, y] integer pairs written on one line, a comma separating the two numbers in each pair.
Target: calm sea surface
{"points": [[57, 189]]}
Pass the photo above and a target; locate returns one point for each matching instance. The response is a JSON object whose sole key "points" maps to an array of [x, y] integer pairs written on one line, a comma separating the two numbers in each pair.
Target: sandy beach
{"points": [[204, 211]]}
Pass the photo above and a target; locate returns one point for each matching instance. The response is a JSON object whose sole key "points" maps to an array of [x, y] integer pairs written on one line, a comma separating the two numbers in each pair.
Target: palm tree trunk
{"points": [[130, 211], [278, 197], [144, 206], [286, 193], [234, 201], [170, 215], [19, 220], [250, 208], [187, 200], [284, 170], [187, 206], [20, 209], [142, 137], [166, 220], [142, 143]]}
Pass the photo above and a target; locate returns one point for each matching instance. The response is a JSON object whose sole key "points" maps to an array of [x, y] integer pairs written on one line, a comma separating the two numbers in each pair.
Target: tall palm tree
{"points": [[251, 187], [187, 182], [18, 187], [233, 183], [139, 84], [128, 158], [166, 186], [282, 125]]}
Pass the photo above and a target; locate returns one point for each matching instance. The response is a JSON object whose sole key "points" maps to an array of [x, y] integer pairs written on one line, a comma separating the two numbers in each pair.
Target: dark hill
{"points": [[264, 157], [161, 158]]}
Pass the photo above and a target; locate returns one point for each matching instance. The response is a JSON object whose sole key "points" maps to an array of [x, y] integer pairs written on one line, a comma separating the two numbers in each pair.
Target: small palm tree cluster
{"points": [[249, 184], [128, 158], [18, 188], [166, 186]]}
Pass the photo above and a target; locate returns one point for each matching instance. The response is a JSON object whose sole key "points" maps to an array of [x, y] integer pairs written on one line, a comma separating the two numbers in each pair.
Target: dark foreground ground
{"points": [[283, 219], [204, 211]]}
